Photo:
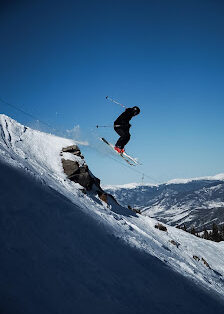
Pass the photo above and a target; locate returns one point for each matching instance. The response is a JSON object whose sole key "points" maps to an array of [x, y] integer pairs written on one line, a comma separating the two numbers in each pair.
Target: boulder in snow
{"points": [[76, 169]]}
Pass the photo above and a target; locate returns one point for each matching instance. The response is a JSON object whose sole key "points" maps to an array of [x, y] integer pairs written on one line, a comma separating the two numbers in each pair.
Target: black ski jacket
{"points": [[124, 118]]}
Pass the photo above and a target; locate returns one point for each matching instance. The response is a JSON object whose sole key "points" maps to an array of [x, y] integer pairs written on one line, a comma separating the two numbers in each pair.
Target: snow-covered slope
{"points": [[66, 252], [194, 202]]}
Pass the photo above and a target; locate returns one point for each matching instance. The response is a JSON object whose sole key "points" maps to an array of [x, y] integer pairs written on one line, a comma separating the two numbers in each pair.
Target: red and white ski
{"points": [[130, 160]]}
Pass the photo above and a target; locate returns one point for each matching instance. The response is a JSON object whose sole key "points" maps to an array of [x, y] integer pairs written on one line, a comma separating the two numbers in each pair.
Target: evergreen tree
{"points": [[205, 234], [215, 233], [222, 233], [184, 228]]}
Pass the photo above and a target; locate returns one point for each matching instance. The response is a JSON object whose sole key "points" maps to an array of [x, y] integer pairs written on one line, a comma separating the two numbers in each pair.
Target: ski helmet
{"points": [[136, 110]]}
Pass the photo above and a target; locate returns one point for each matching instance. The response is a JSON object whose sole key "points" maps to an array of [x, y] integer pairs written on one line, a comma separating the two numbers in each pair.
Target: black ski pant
{"points": [[123, 131]]}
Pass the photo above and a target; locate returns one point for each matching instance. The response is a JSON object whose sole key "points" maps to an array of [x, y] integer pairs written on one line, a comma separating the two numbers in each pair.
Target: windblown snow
{"points": [[63, 251]]}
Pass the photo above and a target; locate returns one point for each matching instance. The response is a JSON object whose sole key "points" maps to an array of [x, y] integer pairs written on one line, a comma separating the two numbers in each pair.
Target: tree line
{"points": [[215, 234]]}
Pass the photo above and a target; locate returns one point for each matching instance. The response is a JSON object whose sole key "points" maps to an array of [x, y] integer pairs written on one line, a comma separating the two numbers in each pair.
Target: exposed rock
{"points": [[160, 227], [203, 260], [103, 196], [113, 198], [196, 257], [70, 167], [71, 149], [177, 244], [83, 169], [134, 209], [78, 171], [84, 179], [206, 264], [97, 182]]}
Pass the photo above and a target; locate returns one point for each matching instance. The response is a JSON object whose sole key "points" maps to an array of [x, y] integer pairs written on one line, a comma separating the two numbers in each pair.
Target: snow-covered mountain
{"points": [[64, 250], [197, 202]]}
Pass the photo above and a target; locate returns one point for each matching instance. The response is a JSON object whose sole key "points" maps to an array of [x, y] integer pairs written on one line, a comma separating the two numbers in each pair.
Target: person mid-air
{"points": [[122, 126]]}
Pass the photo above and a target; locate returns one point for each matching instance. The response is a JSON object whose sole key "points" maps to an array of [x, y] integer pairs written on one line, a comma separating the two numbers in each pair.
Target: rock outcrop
{"points": [[76, 169]]}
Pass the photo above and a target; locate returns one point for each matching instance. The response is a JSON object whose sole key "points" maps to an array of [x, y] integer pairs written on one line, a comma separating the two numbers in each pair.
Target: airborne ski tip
{"points": [[105, 141]]}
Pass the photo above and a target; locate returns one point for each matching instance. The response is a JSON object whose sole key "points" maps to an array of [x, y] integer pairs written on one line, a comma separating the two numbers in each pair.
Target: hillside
{"points": [[194, 202], [65, 251]]}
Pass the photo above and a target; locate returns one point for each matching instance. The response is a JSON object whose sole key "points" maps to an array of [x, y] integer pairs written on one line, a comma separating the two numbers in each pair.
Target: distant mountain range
{"points": [[195, 202]]}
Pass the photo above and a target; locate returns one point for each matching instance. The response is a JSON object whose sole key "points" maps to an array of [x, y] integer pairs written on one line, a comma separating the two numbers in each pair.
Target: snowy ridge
{"points": [[217, 177], [126, 186], [38, 154], [30, 146]]}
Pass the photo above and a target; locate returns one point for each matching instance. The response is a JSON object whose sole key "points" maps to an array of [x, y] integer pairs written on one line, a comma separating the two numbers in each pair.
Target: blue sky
{"points": [[59, 60]]}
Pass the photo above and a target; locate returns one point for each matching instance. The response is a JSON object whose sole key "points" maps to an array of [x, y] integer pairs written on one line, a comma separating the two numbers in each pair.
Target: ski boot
{"points": [[119, 150]]}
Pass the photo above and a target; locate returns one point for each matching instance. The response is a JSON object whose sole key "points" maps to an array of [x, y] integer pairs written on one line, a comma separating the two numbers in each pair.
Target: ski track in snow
{"points": [[39, 154]]}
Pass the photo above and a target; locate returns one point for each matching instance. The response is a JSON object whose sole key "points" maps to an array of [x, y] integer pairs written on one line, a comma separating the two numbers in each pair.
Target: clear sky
{"points": [[59, 59]]}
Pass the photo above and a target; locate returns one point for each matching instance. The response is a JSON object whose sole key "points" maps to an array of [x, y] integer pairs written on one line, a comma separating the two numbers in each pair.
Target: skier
{"points": [[122, 126]]}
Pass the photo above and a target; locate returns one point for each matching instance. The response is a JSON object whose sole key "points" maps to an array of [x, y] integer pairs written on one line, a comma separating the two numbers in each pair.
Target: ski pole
{"points": [[106, 126], [116, 102]]}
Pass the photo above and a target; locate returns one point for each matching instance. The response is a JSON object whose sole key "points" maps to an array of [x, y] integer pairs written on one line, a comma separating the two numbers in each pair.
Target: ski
{"points": [[130, 160], [122, 156]]}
